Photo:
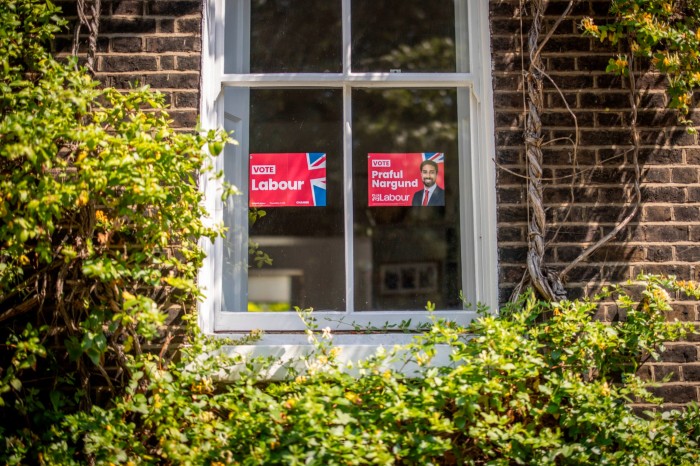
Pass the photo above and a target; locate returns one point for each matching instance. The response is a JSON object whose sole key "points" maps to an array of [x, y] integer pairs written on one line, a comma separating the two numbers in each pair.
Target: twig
{"points": [[92, 24], [634, 102], [545, 281]]}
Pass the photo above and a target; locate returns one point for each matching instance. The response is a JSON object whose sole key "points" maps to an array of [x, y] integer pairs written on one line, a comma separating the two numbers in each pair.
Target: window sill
{"points": [[351, 349]]}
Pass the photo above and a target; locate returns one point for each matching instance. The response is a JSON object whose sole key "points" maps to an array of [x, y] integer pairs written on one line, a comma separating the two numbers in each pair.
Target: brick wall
{"points": [[158, 43], [663, 237]]}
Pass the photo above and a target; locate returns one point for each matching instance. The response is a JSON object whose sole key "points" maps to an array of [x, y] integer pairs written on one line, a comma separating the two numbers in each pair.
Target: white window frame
{"points": [[477, 171]]}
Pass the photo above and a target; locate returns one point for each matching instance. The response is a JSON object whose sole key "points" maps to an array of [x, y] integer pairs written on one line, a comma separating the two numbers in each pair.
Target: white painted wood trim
{"points": [[477, 80]]}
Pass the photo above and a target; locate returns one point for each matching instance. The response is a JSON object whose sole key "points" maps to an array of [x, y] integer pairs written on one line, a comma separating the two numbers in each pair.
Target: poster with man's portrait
{"points": [[406, 179]]}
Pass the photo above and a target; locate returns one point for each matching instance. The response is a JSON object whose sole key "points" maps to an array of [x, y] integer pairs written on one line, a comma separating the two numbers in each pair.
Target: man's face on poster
{"points": [[429, 175]]}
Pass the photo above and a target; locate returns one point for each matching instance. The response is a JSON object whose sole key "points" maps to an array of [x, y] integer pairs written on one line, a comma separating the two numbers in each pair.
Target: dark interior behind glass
{"points": [[403, 35], [405, 256], [306, 244], [293, 36]]}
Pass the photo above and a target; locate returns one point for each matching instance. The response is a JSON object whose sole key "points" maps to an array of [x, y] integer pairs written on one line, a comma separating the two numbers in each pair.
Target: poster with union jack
{"points": [[395, 179], [287, 180]]}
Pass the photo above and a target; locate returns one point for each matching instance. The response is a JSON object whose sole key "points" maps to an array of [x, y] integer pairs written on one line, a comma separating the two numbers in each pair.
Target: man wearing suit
{"points": [[431, 194]]}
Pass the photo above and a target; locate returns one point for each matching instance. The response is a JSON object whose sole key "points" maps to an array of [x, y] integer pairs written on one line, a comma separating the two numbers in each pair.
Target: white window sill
{"points": [[351, 349]]}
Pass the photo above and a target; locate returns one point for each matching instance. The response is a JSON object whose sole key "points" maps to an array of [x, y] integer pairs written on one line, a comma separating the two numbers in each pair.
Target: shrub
{"points": [[540, 384], [95, 188]]}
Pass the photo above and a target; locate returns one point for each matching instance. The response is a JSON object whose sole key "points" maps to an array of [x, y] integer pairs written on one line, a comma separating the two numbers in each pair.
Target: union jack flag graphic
{"points": [[437, 157], [317, 161]]}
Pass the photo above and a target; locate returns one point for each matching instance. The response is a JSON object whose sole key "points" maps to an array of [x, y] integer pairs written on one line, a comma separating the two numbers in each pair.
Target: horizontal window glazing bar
{"points": [[353, 79]]}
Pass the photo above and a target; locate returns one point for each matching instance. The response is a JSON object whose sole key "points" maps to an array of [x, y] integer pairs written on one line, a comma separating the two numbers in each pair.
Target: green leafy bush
{"points": [[665, 32], [95, 189], [540, 384]]}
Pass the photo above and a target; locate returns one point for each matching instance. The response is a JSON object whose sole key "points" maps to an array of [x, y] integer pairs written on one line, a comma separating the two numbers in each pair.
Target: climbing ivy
{"points": [[667, 32]]}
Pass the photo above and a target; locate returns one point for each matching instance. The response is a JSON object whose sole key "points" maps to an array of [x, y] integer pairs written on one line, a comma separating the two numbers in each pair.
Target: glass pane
{"points": [[403, 35], [292, 36], [406, 256], [304, 245]]}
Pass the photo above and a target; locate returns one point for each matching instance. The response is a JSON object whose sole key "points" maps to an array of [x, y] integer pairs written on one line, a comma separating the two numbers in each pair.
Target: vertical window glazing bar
{"points": [[235, 254], [347, 162], [346, 37], [462, 36], [478, 164], [467, 193], [237, 37], [348, 199]]}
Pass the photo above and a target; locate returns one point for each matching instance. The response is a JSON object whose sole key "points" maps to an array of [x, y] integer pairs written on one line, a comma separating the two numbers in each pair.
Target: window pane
{"points": [[293, 36], [305, 244], [404, 255], [406, 35]]}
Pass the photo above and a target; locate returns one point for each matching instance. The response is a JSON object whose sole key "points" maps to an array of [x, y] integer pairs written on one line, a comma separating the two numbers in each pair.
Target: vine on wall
{"points": [[89, 17], [650, 35]]}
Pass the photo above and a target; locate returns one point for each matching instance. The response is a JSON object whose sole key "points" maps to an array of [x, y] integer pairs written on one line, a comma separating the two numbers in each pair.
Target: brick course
{"points": [[155, 43]]}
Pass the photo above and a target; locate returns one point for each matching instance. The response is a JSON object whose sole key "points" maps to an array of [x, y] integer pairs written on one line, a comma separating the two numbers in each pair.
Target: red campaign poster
{"points": [[287, 180], [401, 179]]}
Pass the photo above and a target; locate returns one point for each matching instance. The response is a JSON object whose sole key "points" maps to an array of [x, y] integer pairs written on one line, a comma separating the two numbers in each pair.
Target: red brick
{"points": [[691, 372], [667, 373], [692, 156], [173, 44], [666, 233], [186, 99], [685, 213], [688, 253], [613, 253], [167, 62], [694, 233], [166, 26], [663, 194], [694, 194], [681, 313], [121, 63], [680, 353], [127, 44], [512, 255], [659, 253], [174, 8], [656, 175], [568, 253], [675, 393], [657, 214], [189, 63], [188, 26], [130, 8], [127, 25]]}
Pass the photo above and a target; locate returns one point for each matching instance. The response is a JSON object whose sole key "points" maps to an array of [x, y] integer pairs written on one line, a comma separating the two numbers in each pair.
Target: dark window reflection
{"points": [[293, 36], [306, 244], [406, 256], [406, 35]]}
